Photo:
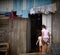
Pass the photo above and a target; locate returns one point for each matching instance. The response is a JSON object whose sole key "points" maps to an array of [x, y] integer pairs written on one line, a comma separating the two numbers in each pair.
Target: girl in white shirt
{"points": [[45, 35]]}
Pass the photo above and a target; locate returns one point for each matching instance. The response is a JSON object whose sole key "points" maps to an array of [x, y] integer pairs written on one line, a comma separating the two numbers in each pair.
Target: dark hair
{"points": [[43, 26]]}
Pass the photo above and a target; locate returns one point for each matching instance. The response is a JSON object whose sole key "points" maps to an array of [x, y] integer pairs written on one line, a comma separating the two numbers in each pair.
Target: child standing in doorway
{"points": [[40, 43], [45, 36], [43, 39]]}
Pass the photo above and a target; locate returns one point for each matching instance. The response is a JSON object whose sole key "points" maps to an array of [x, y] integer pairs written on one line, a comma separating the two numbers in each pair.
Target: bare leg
{"points": [[43, 49], [46, 48], [40, 50]]}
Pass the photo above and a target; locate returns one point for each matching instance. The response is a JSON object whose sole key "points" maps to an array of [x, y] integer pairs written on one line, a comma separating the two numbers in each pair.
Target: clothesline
{"points": [[44, 9]]}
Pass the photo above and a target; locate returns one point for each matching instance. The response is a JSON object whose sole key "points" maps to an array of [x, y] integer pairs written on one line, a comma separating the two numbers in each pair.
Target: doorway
{"points": [[36, 23]]}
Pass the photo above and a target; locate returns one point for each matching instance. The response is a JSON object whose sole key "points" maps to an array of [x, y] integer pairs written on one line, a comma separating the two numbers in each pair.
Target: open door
{"points": [[36, 23]]}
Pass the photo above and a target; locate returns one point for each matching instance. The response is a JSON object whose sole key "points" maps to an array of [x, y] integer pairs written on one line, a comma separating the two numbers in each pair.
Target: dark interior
{"points": [[36, 23]]}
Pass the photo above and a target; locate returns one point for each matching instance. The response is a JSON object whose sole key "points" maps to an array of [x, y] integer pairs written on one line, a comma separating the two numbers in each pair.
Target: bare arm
{"points": [[37, 42], [42, 34], [49, 34]]}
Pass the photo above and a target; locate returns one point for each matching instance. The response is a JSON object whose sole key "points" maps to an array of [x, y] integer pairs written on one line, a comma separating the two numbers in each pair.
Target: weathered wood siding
{"points": [[17, 36], [4, 28], [56, 24]]}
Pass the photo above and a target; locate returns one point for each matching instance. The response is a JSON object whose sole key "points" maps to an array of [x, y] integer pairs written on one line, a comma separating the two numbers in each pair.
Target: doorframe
{"points": [[30, 29]]}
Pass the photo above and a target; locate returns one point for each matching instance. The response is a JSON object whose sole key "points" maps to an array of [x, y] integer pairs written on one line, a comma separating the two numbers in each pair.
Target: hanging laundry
{"points": [[12, 16]]}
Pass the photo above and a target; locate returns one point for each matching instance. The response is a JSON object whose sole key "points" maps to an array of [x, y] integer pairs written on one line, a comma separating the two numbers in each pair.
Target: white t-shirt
{"points": [[45, 33]]}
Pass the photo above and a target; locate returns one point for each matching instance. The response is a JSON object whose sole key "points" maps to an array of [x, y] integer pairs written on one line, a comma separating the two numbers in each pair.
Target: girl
{"points": [[45, 36]]}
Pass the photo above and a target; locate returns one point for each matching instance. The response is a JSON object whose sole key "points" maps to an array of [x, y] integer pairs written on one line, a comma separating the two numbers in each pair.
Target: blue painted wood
{"points": [[2, 13], [15, 5], [21, 4], [18, 6], [43, 2], [38, 3], [25, 14], [29, 4]]}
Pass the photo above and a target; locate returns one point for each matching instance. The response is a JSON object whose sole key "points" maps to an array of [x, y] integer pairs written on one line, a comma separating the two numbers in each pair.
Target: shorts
{"points": [[45, 40]]}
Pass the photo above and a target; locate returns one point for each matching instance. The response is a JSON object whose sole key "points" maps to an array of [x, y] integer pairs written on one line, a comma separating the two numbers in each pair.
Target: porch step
{"points": [[29, 54], [34, 54], [55, 51], [37, 54]]}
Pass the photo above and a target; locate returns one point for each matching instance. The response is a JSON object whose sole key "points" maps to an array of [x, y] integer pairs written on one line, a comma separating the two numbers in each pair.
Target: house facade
{"points": [[22, 34]]}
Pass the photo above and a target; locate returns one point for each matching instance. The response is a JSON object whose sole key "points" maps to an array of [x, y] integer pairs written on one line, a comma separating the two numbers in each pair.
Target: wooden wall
{"points": [[4, 27], [56, 24], [17, 36]]}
